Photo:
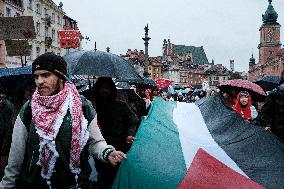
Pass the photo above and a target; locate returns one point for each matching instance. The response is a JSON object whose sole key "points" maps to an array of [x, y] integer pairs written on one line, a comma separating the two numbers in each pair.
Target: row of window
{"points": [[8, 13], [191, 81], [46, 32], [217, 78], [155, 69], [38, 9], [38, 51]]}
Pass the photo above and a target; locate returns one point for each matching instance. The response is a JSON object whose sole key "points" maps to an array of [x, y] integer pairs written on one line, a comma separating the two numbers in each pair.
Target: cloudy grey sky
{"points": [[227, 29]]}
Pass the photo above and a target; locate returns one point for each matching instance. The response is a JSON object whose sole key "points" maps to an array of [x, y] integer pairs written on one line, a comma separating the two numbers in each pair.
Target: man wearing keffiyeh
{"points": [[55, 133]]}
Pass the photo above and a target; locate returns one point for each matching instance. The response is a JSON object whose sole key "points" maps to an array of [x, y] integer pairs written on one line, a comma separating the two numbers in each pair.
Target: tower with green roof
{"points": [[269, 34]]}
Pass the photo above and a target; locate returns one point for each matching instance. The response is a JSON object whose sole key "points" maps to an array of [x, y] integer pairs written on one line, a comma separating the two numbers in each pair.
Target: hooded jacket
{"points": [[272, 112]]}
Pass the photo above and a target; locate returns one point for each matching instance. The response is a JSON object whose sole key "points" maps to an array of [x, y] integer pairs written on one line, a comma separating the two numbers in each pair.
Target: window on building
{"points": [[58, 39], [8, 12], [149, 68], [53, 17], [58, 20], [46, 31], [38, 28], [37, 51], [53, 35], [30, 5], [38, 9], [45, 11]]}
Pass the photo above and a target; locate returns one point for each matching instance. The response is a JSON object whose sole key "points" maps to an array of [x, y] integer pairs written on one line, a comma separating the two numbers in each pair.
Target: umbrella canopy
{"points": [[27, 70], [15, 79], [163, 83], [101, 64], [268, 83], [145, 83], [237, 85]]}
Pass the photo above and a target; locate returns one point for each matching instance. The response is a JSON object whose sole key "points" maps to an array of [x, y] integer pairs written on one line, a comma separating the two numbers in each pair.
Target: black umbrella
{"points": [[98, 63], [13, 80], [268, 83], [145, 83]]}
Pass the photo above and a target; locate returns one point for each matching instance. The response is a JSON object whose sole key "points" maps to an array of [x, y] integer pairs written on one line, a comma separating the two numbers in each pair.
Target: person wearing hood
{"points": [[243, 106], [271, 114], [117, 124]]}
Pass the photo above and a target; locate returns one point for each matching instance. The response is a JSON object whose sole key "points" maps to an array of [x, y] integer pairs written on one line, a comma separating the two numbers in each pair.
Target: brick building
{"points": [[217, 74], [154, 68], [270, 53], [137, 59]]}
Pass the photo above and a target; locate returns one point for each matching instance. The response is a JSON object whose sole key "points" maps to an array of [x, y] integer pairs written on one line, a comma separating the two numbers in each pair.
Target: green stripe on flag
{"points": [[150, 164]]}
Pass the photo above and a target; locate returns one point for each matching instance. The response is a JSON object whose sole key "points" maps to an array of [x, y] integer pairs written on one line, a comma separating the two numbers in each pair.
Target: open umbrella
{"points": [[268, 83], [163, 83], [146, 83], [15, 79], [237, 85], [98, 63]]}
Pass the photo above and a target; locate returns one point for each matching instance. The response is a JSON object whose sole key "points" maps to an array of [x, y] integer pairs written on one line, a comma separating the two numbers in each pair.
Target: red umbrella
{"points": [[163, 83], [237, 85]]}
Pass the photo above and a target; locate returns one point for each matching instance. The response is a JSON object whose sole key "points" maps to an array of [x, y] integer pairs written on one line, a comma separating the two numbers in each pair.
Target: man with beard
{"points": [[54, 134], [117, 123]]}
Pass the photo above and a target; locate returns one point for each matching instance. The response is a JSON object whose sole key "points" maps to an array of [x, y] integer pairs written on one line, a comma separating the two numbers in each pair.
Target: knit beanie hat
{"points": [[51, 62]]}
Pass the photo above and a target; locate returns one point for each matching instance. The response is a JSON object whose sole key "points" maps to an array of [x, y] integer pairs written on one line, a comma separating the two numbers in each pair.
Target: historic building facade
{"points": [[13, 9], [48, 20], [270, 52]]}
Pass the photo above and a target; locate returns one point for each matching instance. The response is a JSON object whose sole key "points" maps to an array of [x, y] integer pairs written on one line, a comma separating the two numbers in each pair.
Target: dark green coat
{"points": [[62, 177]]}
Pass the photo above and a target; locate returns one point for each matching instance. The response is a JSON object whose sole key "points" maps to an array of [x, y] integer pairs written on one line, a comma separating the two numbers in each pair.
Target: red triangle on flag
{"points": [[206, 172]]}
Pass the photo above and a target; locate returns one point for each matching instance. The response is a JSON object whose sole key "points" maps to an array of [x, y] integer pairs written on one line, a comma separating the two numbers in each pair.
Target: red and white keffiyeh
{"points": [[47, 115]]}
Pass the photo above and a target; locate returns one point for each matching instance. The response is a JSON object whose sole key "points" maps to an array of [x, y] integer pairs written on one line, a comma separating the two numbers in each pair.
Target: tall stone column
{"points": [[146, 42]]}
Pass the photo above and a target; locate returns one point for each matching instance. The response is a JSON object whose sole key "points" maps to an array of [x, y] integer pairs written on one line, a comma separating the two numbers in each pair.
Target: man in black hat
{"points": [[54, 134]]}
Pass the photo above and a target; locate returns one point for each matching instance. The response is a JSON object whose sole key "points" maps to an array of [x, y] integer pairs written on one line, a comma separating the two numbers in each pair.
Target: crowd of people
{"points": [[48, 137]]}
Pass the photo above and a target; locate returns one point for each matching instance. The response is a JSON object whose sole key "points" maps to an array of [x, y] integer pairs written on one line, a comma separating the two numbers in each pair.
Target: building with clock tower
{"points": [[270, 52]]}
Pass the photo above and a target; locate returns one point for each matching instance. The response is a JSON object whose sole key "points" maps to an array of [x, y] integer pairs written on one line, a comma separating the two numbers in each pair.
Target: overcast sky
{"points": [[227, 29]]}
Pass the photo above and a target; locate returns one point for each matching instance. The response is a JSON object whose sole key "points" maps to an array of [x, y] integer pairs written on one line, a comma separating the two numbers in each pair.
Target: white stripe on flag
{"points": [[194, 134]]}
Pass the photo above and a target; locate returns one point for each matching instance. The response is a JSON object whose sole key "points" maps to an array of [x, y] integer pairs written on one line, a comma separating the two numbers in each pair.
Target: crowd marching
{"points": [[49, 134]]}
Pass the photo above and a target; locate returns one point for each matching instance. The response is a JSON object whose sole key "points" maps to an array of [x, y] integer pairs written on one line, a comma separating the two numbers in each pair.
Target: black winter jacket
{"points": [[272, 112]]}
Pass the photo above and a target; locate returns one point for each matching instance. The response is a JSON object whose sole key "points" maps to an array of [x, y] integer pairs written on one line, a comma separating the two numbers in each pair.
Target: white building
{"points": [[48, 20], [173, 73]]}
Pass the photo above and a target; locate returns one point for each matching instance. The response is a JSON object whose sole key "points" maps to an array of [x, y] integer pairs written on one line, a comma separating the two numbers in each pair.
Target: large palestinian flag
{"points": [[204, 145]]}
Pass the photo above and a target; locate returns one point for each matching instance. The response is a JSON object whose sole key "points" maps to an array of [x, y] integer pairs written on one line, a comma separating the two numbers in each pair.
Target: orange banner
{"points": [[69, 39]]}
